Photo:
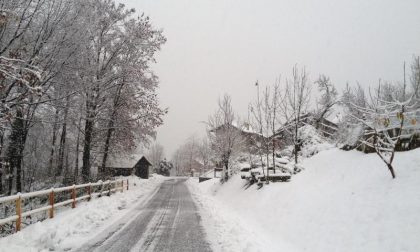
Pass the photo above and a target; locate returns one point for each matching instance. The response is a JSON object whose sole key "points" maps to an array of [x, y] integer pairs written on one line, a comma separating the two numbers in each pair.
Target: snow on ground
{"points": [[72, 227], [343, 201], [225, 230]]}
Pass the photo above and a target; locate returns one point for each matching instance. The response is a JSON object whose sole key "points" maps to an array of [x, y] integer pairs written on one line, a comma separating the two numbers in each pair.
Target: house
{"points": [[192, 168], [326, 127], [283, 136], [142, 168], [249, 137], [410, 135], [129, 166]]}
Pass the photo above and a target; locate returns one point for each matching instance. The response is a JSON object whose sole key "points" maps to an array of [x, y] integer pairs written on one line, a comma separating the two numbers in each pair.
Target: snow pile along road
{"points": [[342, 201], [226, 231], [72, 227]]}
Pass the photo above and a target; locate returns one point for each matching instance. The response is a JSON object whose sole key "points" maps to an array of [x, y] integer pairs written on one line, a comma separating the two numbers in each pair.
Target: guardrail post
{"points": [[127, 184], [122, 185], [18, 213], [90, 191], [51, 198], [73, 196]]}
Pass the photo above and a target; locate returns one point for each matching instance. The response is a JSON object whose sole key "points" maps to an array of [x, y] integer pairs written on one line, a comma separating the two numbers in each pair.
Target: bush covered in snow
{"points": [[164, 168], [349, 136], [311, 141]]}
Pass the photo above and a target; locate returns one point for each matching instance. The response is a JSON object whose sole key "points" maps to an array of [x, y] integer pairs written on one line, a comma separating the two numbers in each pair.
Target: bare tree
{"points": [[415, 76], [225, 139], [155, 154], [178, 161], [274, 116], [204, 153], [265, 117], [327, 100], [257, 110], [385, 122], [190, 153], [267, 122], [295, 103]]}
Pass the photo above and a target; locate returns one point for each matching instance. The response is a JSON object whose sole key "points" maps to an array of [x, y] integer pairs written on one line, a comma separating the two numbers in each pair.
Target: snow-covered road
{"points": [[169, 221]]}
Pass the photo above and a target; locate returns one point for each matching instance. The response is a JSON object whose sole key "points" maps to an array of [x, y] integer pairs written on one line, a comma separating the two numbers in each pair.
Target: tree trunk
{"points": [[91, 102], [106, 147], [60, 163], [391, 169], [262, 163], [1, 161], [111, 127], [86, 149], [67, 179], [66, 171], [10, 172], [61, 149], [1, 179], [268, 166], [15, 150], [296, 137], [54, 137], [226, 171], [267, 157], [274, 155], [76, 165]]}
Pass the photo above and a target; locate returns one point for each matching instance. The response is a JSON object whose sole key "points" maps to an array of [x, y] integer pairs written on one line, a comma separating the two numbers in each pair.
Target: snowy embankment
{"points": [[72, 227], [226, 230], [342, 201]]}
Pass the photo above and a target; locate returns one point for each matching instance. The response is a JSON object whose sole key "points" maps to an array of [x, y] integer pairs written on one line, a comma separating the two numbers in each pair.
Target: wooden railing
{"points": [[105, 188]]}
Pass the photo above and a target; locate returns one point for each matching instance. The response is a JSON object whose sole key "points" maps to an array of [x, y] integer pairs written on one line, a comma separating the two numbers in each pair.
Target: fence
{"points": [[105, 188]]}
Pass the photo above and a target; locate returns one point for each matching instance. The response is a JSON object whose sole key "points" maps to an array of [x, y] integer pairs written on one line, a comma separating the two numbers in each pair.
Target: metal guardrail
{"points": [[113, 186]]}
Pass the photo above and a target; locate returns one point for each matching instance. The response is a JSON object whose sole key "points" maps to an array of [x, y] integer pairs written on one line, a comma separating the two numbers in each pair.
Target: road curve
{"points": [[169, 221]]}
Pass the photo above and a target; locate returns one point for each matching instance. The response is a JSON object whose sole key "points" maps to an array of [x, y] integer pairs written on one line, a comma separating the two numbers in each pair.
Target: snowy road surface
{"points": [[169, 221]]}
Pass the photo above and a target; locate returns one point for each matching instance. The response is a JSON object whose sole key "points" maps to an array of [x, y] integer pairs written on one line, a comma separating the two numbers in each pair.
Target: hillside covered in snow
{"points": [[342, 201]]}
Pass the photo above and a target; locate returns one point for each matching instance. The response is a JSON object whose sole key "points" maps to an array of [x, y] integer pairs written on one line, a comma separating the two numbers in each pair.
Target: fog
{"points": [[217, 47]]}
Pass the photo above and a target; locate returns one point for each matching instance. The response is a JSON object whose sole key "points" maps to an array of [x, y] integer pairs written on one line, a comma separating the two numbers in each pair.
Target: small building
{"points": [[142, 167], [129, 166]]}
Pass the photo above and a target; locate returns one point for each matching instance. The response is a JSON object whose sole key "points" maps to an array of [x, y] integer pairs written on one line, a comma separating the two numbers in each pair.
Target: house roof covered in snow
{"points": [[304, 119], [123, 160], [337, 113], [245, 128]]}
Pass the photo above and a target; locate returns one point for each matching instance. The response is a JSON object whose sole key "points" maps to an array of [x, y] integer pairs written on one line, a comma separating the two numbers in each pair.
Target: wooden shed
{"points": [[141, 168]]}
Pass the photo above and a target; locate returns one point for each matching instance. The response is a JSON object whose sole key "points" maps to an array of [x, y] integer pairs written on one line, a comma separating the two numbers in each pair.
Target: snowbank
{"points": [[72, 227], [226, 231], [343, 201]]}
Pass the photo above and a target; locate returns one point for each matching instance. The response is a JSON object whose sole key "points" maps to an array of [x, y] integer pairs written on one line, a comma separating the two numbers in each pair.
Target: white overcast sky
{"points": [[224, 46]]}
